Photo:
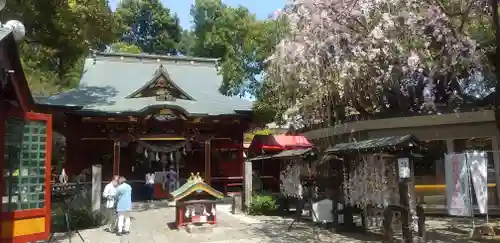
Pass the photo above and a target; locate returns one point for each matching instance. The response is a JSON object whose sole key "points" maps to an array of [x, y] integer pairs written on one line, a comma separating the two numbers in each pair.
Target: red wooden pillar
{"points": [[74, 146], [72, 164], [208, 162], [116, 157]]}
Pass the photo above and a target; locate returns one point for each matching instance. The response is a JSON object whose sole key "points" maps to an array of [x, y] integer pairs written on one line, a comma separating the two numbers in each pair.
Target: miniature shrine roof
{"points": [[131, 83], [194, 184], [278, 142], [386, 143]]}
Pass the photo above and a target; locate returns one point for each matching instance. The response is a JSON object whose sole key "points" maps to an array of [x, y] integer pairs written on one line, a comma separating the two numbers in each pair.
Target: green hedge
{"points": [[263, 204]]}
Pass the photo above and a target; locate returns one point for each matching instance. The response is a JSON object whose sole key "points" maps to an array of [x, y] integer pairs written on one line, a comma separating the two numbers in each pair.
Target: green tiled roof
{"points": [[109, 78], [194, 186], [385, 143]]}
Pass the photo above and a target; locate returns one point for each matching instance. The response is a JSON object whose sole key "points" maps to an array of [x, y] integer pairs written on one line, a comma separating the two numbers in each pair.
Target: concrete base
{"points": [[204, 228]]}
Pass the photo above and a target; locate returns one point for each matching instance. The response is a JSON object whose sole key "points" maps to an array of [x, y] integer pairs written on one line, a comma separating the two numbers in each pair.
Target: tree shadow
{"points": [[82, 96], [448, 230], [304, 231]]}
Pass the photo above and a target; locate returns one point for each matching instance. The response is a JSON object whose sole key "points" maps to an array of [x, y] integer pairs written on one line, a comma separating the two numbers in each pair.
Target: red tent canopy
{"points": [[278, 143]]}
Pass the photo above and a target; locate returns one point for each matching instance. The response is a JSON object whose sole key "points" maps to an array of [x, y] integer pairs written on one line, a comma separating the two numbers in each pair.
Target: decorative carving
{"points": [[161, 87], [196, 178]]}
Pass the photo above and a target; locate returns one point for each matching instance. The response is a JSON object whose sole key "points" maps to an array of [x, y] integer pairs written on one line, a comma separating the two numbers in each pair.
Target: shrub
{"points": [[263, 205], [81, 218]]}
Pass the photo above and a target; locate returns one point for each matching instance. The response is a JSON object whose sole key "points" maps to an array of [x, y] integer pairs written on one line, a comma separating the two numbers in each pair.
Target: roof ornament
{"points": [[195, 178]]}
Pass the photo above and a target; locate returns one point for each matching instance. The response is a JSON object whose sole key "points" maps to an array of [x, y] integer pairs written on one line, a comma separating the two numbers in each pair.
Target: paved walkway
{"points": [[151, 224]]}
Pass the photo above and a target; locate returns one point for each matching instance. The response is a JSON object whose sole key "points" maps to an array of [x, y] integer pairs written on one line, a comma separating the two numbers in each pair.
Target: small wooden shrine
{"points": [[26, 144], [374, 180], [195, 202]]}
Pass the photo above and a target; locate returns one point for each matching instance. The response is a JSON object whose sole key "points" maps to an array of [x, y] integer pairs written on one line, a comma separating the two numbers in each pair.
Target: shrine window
{"points": [[24, 167], [163, 89]]}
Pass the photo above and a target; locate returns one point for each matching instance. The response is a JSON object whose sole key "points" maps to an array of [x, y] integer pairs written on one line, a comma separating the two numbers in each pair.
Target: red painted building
{"points": [[267, 153], [25, 142], [131, 113]]}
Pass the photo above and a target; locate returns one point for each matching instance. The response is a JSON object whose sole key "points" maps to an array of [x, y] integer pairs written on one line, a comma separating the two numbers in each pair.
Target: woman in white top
{"points": [[150, 182], [109, 194]]}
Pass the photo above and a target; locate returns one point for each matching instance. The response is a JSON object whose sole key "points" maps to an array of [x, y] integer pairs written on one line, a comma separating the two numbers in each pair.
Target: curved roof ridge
{"points": [[155, 57]]}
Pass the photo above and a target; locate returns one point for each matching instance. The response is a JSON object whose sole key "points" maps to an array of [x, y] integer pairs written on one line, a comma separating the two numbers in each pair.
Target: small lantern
{"points": [[404, 171]]}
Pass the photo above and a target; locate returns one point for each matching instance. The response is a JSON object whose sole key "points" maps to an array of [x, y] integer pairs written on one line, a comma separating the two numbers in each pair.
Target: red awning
{"points": [[278, 142]]}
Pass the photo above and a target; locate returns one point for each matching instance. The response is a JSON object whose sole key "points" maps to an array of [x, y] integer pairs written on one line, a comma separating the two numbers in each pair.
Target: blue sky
{"points": [[261, 8]]}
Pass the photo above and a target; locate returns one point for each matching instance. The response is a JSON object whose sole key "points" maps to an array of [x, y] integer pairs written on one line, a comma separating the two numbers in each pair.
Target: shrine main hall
{"points": [[133, 113]]}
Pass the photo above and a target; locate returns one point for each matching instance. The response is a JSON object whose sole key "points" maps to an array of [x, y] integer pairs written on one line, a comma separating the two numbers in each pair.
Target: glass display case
{"points": [[24, 167]]}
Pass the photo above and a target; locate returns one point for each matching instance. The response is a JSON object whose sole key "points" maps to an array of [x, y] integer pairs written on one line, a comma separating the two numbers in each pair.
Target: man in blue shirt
{"points": [[123, 206]]}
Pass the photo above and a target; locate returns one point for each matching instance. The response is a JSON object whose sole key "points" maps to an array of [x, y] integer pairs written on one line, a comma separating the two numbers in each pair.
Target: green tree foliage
{"points": [[149, 25], [267, 106], [249, 136], [238, 38], [187, 42], [58, 35], [122, 47]]}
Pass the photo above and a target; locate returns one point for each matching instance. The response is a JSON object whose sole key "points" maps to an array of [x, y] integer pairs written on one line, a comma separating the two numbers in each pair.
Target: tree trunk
{"points": [[496, 27]]}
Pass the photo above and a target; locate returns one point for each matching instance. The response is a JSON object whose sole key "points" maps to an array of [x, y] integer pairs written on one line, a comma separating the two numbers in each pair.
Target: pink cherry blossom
{"points": [[350, 52]]}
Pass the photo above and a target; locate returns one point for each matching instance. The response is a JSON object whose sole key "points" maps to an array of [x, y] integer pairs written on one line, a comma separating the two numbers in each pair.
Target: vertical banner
{"points": [[478, 166], [458, 197]]}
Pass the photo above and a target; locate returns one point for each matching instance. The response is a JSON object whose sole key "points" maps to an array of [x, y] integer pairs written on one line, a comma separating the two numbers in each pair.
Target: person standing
{"points": [[123, 206], [150, 185], [109, 194], [172, 178]]}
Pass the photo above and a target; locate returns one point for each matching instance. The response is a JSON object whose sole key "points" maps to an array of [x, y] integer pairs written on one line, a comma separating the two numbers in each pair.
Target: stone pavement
{"points": [[153, 223], [150, 223]]}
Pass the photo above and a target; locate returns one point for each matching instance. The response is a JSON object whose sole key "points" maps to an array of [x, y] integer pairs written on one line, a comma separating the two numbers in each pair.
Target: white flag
{"points": [[457, 185], [478, 166]]}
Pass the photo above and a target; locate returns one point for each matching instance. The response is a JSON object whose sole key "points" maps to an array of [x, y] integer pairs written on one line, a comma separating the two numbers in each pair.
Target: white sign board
{"points": [[404, 168], [458, 198], [478, 166]]}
